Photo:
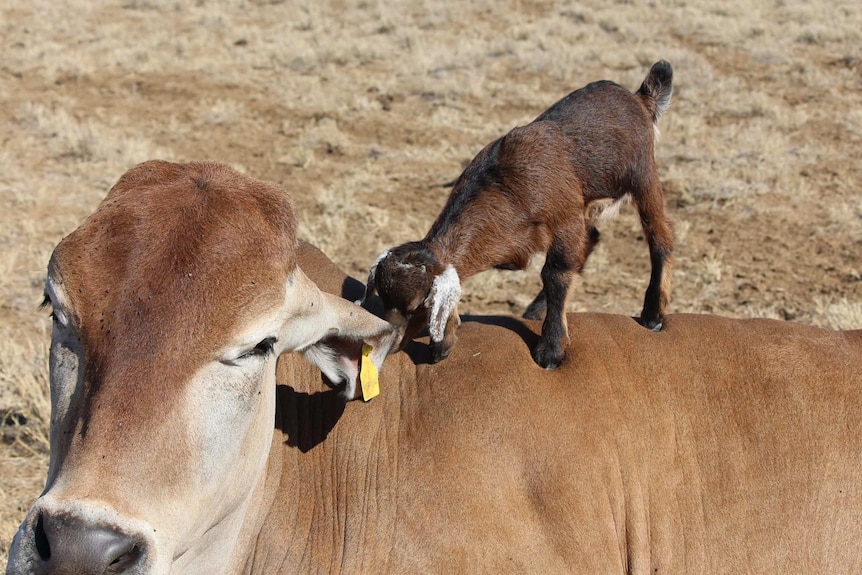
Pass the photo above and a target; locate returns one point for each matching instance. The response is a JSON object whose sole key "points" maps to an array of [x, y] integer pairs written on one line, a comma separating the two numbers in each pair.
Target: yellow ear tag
{"points": [[368, 374]]}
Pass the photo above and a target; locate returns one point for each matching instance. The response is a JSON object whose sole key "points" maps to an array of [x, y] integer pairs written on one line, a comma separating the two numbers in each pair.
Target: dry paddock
{"points": [[361, 110]]}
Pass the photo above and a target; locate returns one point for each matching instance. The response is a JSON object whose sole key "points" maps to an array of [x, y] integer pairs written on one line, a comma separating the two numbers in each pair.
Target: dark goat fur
{"points": [[538, 189]]}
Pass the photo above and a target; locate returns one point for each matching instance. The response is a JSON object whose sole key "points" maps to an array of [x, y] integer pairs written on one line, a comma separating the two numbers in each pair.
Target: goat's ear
{"points": [[370, 286], [442, 300]]}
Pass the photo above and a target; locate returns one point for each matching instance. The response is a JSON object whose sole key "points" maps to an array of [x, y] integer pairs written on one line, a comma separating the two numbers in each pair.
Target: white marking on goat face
{"points": [[441, 301], [380, 258], [408, 266]]}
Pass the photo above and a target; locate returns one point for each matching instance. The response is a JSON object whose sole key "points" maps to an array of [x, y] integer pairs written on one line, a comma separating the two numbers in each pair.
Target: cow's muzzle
{"points": [[60, 544]]}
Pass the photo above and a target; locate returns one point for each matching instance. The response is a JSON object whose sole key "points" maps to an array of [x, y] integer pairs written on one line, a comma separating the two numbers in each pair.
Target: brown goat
{"points": [[537, 189]]}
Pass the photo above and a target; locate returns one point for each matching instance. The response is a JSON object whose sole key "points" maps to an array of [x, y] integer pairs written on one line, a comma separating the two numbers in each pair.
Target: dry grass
{"points": [[361, 109], [25, 412]]}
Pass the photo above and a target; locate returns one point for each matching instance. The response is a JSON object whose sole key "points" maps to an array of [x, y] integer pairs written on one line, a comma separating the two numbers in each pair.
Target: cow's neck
{"points": [[337, 467]]}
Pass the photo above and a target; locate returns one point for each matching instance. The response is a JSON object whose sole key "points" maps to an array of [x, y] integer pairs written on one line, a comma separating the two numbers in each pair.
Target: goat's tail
{"points": [[657, 89]]}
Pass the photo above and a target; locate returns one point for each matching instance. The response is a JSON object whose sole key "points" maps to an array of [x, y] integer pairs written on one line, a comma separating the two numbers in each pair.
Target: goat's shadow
{"points": [[420, 353]]}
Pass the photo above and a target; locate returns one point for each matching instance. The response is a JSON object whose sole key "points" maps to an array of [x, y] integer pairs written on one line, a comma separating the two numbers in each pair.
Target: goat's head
{"points": [[416, 289]]}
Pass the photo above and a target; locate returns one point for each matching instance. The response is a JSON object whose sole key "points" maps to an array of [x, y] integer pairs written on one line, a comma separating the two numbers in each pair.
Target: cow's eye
{"points": [[261, 349], [46, 303], [56, 317]]}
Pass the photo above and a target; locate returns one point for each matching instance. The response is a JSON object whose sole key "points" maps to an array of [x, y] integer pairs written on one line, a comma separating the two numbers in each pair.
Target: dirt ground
{"points": [[362, 110]]}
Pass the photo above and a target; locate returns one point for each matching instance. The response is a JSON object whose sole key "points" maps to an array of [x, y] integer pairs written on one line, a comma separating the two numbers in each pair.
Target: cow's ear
{"points": [[330, 332]]}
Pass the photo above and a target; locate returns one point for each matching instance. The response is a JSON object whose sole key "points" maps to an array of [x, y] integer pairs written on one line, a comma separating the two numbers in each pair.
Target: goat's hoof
{"points": [[439, 352], [548, 357], [654, 324]]}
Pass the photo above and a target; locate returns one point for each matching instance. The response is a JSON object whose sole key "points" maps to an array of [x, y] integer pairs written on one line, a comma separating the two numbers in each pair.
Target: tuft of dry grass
{"points": [[25, 413], [26, 407], [840, 314]]}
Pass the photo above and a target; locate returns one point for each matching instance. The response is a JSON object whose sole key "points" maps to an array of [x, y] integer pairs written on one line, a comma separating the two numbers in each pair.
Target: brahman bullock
{"points": [[714, 446]]}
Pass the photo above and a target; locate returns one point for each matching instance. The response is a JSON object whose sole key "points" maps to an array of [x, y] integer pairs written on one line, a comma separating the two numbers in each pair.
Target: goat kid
{"points": [[539, 188]]}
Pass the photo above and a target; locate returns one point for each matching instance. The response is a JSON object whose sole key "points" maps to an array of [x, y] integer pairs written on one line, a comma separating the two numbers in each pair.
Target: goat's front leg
{"points": [[565, 258], [549, 352], [440, 350], [536, 309]]}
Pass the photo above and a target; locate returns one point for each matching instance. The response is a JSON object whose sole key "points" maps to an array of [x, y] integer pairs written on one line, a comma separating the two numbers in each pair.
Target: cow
{"points": [[714, 446]]}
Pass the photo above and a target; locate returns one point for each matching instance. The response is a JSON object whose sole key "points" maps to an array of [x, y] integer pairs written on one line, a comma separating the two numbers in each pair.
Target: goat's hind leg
{"points": [[659, 235]]}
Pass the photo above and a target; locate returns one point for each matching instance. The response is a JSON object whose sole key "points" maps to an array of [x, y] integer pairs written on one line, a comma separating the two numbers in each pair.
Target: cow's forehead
{"points": [[171, 240], [173, 259]]}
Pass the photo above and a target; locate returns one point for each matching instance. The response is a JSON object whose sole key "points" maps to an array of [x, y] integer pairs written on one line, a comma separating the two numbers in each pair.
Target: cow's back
{"points": [[714, 446]]}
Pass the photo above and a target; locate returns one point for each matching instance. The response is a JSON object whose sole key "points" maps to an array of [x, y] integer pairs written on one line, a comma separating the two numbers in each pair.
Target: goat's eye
{"points": [[263, 348]]}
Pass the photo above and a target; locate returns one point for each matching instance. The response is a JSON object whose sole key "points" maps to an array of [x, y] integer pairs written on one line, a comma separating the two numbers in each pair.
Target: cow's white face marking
{"points": [[229, 408]]}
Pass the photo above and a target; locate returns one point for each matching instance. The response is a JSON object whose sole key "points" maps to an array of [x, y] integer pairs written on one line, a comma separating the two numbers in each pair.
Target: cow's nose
{"points": [[68, 545]]}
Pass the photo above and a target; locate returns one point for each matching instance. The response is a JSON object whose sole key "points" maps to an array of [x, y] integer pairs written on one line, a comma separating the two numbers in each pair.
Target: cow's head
{"points": [[171, 304]]}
